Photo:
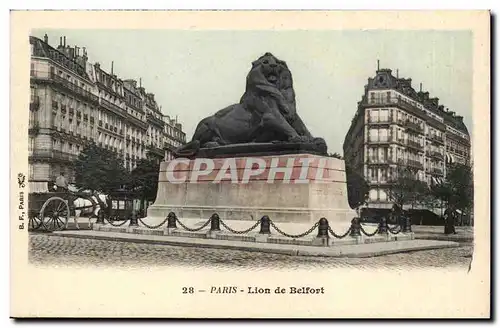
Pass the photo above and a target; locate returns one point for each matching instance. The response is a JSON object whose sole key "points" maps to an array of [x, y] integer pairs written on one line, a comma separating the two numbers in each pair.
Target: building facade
{"points": [[74, 102], [395, 126]]}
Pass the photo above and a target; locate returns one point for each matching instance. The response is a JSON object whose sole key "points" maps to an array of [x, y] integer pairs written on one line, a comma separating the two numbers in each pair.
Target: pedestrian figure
{"points": [[61, 183], [396, 213], [449, 220]]}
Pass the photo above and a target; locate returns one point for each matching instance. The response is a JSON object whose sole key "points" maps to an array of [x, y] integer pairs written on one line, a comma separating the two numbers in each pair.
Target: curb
{"points": [[295, 251]]}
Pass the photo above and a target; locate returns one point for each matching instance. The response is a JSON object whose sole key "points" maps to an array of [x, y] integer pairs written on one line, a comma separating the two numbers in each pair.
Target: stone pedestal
{"points": [[288, 188]]}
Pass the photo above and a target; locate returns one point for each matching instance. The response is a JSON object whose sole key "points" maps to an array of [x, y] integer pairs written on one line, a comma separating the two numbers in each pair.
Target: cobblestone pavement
{"points": [[46, 249]]}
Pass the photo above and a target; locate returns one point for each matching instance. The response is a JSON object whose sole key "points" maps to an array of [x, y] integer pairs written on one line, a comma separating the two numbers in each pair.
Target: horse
{"points": [[88, 205]]}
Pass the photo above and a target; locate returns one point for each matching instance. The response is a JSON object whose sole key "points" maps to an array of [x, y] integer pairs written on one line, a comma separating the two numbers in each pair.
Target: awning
{"points": [[437, 180], [450, 158]]}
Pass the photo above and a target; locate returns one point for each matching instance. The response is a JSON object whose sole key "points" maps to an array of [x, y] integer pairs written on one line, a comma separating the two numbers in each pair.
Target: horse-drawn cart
{"points": [[50, 210]]}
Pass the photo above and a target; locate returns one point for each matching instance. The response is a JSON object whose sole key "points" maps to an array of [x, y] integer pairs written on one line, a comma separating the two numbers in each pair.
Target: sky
{"points": [[193, 73]]}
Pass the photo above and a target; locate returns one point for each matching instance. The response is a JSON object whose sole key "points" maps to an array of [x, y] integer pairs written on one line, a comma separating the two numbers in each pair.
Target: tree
{"points": [[406, 189], [357, 188], [99, 170], [144, 178], [460, 181]]}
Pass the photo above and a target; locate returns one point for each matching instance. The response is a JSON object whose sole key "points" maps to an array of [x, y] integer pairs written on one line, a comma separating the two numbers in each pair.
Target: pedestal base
{"points": [[287, 188]]}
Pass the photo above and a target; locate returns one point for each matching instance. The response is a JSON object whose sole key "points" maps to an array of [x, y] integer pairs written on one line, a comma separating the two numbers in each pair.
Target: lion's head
{"points": [[269, 70], [270, 74]]}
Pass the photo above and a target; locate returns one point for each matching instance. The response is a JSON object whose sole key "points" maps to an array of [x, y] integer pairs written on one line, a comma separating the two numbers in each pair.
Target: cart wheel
{"points": [[34, 222], [54, 214]]}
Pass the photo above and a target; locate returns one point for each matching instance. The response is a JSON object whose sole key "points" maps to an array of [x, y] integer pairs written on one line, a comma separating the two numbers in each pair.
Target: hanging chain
{"points": [[368, 234], [294, 236], [338, 236], [238, 232], [193, 229], [155, 226]]}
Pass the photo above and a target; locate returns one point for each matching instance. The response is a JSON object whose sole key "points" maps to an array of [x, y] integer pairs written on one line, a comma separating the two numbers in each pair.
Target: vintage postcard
{"points": [[250, 164]]}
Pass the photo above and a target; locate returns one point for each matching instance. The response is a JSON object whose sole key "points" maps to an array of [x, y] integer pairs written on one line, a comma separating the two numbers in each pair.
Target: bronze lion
{"points": [[266, 113]]}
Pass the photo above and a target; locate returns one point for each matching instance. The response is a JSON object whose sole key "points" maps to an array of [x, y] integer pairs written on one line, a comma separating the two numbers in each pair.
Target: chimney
{"points": [[140, 82], [60, 41], [397, 73], [378, 64], [420, 86], [112, 68], [46, 38], [460, 118], [64, 41]]}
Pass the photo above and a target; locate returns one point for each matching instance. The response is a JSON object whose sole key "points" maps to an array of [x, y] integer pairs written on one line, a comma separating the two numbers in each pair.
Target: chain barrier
{"points": [[242, 231], [339, 236], [116, 224], [194, 229], [368, 234], [294, 236], [155, 226]]}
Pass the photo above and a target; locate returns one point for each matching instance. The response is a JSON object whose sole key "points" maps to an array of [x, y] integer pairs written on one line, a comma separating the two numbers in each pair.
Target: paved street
{"points": [[47, 249]]}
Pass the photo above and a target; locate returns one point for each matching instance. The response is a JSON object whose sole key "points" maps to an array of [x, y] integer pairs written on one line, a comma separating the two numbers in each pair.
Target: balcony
{"points": [[415, 164], [63, 109], [154, 120], [156, 151], [437, 171], [414, 144], [35, 103], [114, 108], [100, 123], [436, 139], [379, 121], [67, 86], [49, 154], [435, 154], [381, 141], [409, 107], [369, 161], [85, 117], [106, 126], [414, 127], [91, 120]]}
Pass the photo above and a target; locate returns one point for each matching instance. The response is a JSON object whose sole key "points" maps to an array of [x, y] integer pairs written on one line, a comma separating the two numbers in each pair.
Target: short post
{"points": [[323, 228], [406, 228], [172, 220], [355, 228], [382, 226], [100, 217], [265, 225], [215, 222], [133, 220]]}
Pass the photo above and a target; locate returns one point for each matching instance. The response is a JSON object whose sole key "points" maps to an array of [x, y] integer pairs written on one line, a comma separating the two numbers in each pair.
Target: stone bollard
{"points": [[323, 228], [355, 228], [133, 220], [215, 222], [322, 239], [382, 226], [406, 228], [265, 225], [172, 220]]}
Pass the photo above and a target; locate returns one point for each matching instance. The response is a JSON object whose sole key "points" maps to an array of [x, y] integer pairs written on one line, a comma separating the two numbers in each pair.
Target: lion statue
{"points": [[266, 113]]}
